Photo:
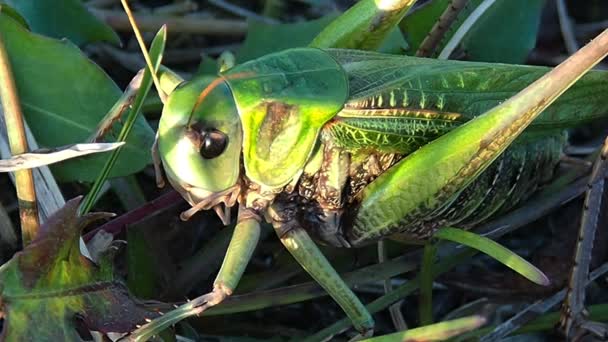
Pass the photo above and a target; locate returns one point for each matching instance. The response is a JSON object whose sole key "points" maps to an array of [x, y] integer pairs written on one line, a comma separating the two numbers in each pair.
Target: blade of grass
{"points": [[151, 66], [434, 332], [496, 251], [306, 291], [24, 180], [390, 298], [156, 51], [426, 284], [395, 309], [36, 159]]}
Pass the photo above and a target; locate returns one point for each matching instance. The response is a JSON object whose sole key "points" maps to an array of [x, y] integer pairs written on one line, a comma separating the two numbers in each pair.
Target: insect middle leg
{"points": [[307, 254]]}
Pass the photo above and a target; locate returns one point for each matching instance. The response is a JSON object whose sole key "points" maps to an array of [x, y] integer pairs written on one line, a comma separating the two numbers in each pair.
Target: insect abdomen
{"points": [[511, 179]]}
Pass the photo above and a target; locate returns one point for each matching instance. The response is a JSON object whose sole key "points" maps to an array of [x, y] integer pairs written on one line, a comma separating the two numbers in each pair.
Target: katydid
{"points": [[350, 147], [330, 162]]}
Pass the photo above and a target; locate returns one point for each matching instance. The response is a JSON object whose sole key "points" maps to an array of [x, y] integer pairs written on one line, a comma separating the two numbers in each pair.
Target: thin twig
{"points": [[144, 50], [591, 28], [535, 310], [565, 25], [152, 22], [443, 24], [242, 12], [117, 225], [176, 8], [574, 305], [465, 28], [101, 3], [26, 192]]}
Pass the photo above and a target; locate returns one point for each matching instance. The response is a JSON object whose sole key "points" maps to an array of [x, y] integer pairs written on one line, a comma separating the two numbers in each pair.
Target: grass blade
{"points": [[425, 305], [156, 51], [31, 160], [434, 332], [496, 251]]}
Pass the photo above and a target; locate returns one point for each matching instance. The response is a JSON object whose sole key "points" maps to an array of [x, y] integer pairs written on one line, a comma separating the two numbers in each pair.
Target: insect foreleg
{"points": [[242, 245]]}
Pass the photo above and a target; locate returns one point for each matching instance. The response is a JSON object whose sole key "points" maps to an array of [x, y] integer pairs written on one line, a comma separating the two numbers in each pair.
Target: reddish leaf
{"points": [[49, 286]]}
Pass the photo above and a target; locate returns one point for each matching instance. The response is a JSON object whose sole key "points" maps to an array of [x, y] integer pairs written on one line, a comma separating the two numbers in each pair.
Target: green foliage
{"points": [[64, 96], [284, 36], [496, 251], [64, 19], [49, 286], [504, 33], [417, 24]]}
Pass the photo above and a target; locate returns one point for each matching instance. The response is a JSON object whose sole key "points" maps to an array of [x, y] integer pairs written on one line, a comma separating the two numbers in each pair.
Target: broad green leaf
{"points": [[418, 23], [434, 332], [64, 96], [207, 66], [287, 36], [496, 251], [505, 32], [64, 19], [11, 12], [49, 286], [283, 36]]}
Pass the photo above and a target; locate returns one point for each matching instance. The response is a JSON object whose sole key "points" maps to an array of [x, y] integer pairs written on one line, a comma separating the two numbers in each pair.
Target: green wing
{"points": [[398, 103]]}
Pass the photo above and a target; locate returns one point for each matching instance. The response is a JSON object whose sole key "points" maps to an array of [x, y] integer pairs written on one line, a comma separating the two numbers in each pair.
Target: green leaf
{"points": [[208, 66], [506, 33], [49, 286], [287, 36], [434, 332], [284, 36], [496, 251], [11, 12], [64, 19], [417, 24], [64, 95]]}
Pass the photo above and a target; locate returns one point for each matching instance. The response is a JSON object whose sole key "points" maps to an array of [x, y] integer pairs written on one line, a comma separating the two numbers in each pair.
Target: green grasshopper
{"points": [[351, 146]]}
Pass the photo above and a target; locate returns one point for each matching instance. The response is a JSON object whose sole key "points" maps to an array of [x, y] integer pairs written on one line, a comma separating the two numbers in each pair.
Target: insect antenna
{"points": [[144, 50]]}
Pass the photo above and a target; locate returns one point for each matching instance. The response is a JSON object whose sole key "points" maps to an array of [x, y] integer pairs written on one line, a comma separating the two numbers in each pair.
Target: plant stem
{"points": [[24, 180], [152, 22]]}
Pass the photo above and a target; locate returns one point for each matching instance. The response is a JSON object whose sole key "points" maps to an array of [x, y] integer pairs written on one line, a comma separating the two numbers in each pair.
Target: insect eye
{"points": [[214, 142]]}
